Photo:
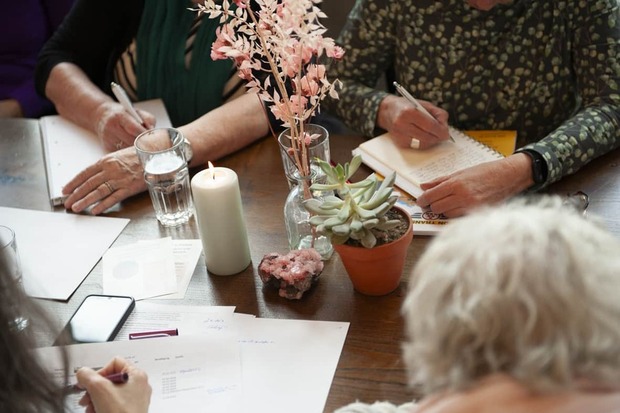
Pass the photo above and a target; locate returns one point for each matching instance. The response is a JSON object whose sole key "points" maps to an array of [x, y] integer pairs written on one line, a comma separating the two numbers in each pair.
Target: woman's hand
{"points": [[10, 108], [116, 176], [491, 182], [404, 122], [116, 128], [103, 396]]}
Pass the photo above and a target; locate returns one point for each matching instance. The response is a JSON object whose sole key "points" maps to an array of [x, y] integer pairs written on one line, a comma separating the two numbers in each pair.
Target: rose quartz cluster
{"points": [[293, 274]]}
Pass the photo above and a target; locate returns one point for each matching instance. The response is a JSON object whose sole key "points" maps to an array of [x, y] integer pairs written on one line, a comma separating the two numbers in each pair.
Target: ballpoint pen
{"points": [[154, 334], [114, 378], [123, 99], [404, 93]]}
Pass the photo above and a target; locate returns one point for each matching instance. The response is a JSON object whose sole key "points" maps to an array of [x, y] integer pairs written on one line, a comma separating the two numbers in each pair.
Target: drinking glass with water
{"points": [[162, 154]]}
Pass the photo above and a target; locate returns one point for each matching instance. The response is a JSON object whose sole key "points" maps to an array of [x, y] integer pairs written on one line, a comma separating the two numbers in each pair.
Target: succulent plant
{"points": [[354, 210]]}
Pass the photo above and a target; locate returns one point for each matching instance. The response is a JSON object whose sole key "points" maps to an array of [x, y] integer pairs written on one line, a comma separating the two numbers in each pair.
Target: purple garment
{"points": [[25, 27]]}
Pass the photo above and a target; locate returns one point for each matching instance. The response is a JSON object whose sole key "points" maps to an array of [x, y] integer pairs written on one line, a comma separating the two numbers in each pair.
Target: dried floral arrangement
{"points": [[285, 40]]}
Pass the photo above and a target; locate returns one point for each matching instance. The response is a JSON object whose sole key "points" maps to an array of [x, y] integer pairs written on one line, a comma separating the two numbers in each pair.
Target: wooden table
{"points": [[370, 367]]}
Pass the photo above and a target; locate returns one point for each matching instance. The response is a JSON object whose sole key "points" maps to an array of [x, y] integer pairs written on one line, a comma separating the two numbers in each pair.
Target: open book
{"points": [[70, 148], [415, 166]]}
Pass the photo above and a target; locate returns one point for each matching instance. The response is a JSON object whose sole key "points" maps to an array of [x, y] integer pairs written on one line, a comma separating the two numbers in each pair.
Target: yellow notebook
{"points": [[414, 166], [503, 141]]}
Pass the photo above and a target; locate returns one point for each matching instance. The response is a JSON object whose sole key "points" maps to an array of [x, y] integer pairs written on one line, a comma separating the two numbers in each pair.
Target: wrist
{"points": [[521, 174], [384, 119], [538, 166]]}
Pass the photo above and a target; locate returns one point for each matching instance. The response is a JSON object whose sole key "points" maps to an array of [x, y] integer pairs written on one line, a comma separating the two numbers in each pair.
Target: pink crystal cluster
{"points": [[293, 274]]}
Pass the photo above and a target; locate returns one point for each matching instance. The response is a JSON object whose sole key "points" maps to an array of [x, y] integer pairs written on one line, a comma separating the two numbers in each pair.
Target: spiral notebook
{"points": [[414, 166]]}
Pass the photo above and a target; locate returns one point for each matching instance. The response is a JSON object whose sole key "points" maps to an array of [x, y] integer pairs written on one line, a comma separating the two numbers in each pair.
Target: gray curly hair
{"points": [[530, 289]]}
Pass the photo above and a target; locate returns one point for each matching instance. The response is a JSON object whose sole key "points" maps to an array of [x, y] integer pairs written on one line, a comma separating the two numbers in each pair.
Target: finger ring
{"points": [[109, 186], [119, 145], [415, 143]]}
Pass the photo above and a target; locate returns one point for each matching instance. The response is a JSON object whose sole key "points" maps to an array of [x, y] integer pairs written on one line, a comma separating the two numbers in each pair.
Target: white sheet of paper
{"points": [[187, 319], [186, 253], [187, 374], [288, 365], [70, 148], [141, 270], [58, 250]]}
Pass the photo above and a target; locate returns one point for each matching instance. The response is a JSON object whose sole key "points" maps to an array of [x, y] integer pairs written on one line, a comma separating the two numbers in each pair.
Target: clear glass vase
{"points": [[318, 148], [297, 219]]}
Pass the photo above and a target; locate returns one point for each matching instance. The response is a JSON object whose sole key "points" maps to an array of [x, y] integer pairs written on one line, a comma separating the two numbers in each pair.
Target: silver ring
{"points": [[119, 145], [415, 143], [109, 186]]}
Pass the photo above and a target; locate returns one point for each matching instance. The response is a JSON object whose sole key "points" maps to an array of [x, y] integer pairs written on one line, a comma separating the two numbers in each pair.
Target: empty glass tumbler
{"points": [[10, 263], [162, 154]]}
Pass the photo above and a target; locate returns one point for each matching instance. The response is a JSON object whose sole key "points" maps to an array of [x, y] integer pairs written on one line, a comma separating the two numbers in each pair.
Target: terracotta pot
{"points": [[377, 271]]}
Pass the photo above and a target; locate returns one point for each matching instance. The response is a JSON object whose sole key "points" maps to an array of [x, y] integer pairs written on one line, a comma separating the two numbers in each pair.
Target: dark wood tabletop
{"points": [[370, 366]]}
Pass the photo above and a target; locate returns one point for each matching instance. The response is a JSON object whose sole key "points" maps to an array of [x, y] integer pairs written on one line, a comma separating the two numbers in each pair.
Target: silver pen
{"points": [[404, 93], [123, 99]]}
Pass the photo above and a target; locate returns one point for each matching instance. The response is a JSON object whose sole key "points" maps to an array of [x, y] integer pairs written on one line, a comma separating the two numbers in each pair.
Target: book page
{"points": [[447, 158], [69, 148]]}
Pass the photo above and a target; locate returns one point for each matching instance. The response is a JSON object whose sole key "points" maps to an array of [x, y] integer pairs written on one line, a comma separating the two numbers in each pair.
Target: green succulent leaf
{"points": [[358, 210]]}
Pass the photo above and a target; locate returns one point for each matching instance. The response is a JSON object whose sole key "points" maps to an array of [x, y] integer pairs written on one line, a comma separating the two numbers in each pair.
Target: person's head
{"points": [[528, 289], [25, 386]]}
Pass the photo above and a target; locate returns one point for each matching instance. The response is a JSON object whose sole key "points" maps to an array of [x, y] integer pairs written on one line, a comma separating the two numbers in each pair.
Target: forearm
{"points": [[75, 96], [226, 129]]}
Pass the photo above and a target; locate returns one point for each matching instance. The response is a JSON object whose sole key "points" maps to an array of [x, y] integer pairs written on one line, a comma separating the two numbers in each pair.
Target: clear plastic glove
{"points": [[113, 178], [404, 122], [103, 396], [117, 129], [488, 183]]}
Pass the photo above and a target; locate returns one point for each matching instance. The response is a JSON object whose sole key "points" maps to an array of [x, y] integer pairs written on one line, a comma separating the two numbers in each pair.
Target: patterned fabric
{"points": [[548, 69]]}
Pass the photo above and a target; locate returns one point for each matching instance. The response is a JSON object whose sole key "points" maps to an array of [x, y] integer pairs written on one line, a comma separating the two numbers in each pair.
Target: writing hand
{"points": [[404, 122], [114, 177], [488, 183], [116, 128], [103, 396]]}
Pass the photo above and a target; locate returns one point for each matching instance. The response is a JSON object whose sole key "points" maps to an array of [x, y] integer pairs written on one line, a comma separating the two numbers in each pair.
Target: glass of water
{"points": [[162, 154], [10, 262]]}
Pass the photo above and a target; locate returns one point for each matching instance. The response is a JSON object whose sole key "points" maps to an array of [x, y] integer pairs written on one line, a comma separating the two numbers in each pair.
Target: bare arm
{"points": [[226, 129], [78, 99], [217, 133]]}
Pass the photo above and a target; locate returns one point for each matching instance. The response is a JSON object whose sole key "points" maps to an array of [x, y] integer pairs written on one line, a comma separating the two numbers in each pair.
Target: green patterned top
{"points": [[549, 69]]}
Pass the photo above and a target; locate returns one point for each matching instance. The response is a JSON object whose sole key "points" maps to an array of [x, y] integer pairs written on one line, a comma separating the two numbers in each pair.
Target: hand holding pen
{"points": [[132, 393], [118, 123], [123, 99], [415, 143]]}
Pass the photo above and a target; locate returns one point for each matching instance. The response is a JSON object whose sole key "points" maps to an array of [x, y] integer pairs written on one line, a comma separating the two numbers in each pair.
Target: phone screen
{"points": [[97, 319]]}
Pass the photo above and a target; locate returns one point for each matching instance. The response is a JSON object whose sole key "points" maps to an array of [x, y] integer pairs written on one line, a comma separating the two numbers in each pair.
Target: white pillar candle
{"points": [[221, 223]]}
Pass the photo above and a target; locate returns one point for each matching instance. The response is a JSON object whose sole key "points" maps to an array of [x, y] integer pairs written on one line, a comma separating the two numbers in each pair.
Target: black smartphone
{"points": [[97, 319]]}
